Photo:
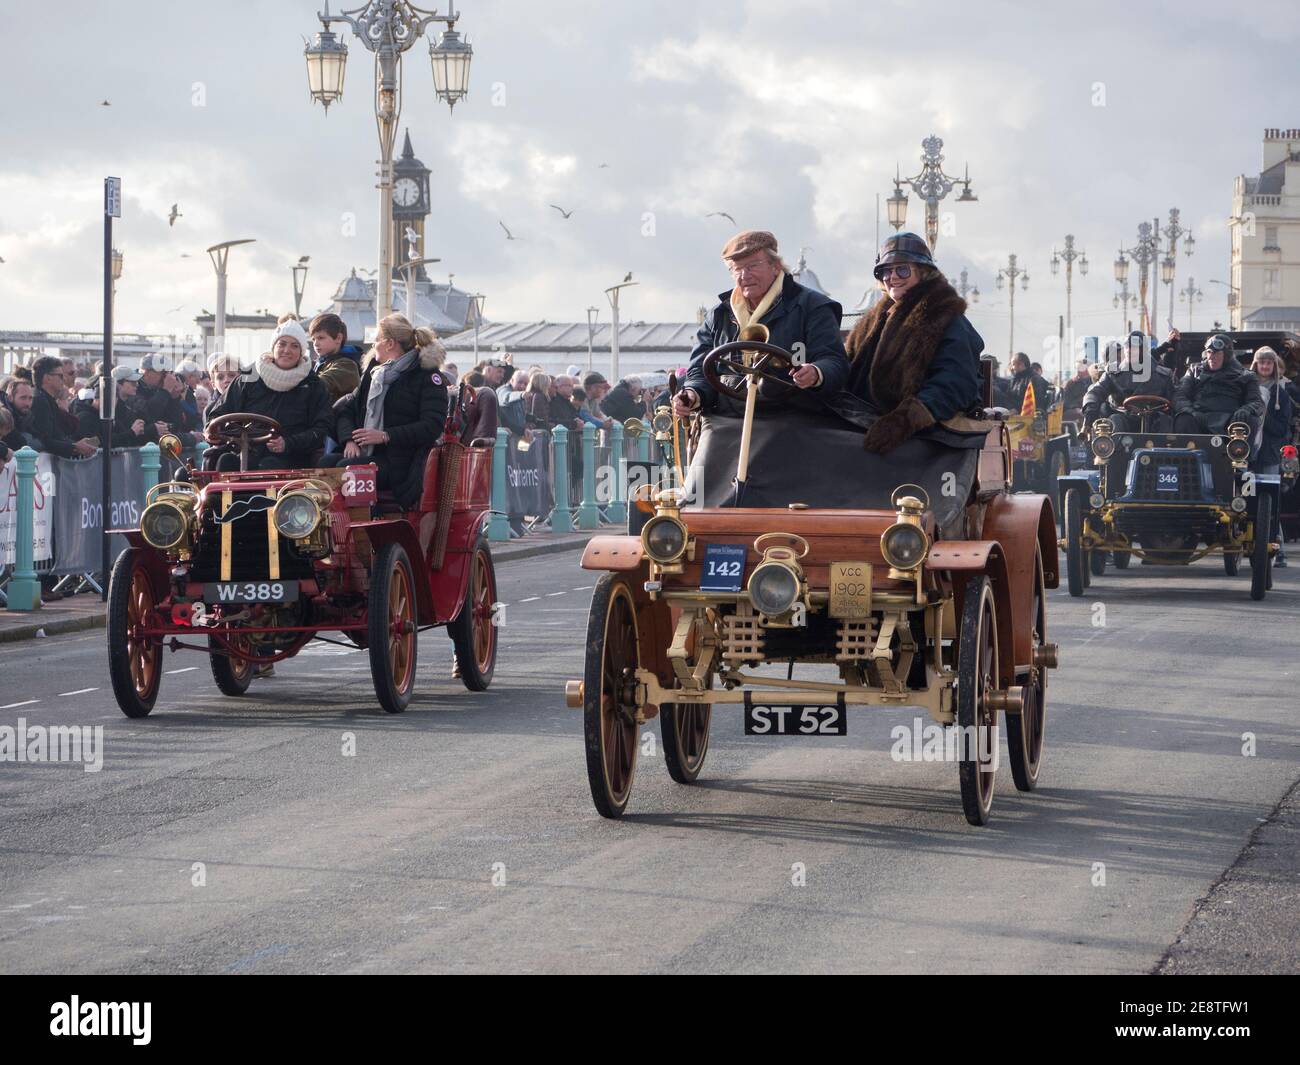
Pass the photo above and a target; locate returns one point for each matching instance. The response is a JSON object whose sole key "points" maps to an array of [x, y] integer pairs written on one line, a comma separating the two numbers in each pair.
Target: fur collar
{"points": [[892, 345], [432, 356], [278, 380]]}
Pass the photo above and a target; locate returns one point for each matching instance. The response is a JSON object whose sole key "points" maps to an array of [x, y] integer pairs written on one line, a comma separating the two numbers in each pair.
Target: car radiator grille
{"points": [[1188, 466], [249, 549]]}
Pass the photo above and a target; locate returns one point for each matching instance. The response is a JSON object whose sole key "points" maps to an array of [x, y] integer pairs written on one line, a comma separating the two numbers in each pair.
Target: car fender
{"points": [[401, 531], [989, 558], [613, 553], [1021, 523]]}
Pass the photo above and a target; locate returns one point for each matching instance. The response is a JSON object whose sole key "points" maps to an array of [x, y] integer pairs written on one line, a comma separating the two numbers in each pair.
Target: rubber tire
{"points": [[1261, 564], [1097, 562], [607, 804], [226, 673], [461, 627], [1058, 466], [1076, 562], [1121, 559], [131, 702], [976, 806], [390, 698], [1231, 563], [1024, 771], [682, 769]]}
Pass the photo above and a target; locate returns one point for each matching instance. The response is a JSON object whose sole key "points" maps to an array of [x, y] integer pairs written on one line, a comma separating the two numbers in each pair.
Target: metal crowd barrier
{"points": [[23, 589]]}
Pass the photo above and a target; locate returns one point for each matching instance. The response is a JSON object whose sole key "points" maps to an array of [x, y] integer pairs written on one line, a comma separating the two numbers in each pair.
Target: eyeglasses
{"points": [[741, 271], [902, 271]]}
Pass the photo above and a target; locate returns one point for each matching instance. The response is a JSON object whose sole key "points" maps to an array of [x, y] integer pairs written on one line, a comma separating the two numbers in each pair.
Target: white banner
{"points": [[43, 509]]}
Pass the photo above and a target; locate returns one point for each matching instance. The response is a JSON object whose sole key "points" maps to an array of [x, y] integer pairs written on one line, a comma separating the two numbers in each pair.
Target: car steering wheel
{"points": [[1145, 405], [241, 430], [770, 358]]}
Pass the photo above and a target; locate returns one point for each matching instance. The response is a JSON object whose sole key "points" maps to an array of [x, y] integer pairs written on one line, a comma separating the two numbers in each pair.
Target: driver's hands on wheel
{"points": [[275, 445], [807, 376], [687, 401], [351, 450]]}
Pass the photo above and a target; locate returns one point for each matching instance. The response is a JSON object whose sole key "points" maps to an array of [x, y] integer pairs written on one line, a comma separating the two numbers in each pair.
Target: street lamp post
{"points": [[1009, 273], [963, 286], [932, 185], [612, 292], [1192, 295], [388, 28], [592, 314], [479, 300], [117, 273], [1068, 256], [1173, 232], [220, 256], [1144, 254], [410, 271], [300, 269], [1232, 300]]}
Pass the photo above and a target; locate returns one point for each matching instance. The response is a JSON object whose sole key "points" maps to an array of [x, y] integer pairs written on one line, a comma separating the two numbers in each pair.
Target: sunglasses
{"points": [[902, 271]]}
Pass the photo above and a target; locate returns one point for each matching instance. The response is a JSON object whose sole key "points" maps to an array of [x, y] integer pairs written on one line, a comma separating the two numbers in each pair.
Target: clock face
{"points": [[406, 193]]}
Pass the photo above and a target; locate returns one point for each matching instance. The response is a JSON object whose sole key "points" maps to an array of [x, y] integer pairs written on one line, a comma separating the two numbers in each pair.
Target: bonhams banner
{"points": [[528, 476], [79, 511], [42, 490]]}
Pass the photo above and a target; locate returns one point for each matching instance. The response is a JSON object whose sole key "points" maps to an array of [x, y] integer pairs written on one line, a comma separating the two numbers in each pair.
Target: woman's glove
{"points": [[900, 424]]}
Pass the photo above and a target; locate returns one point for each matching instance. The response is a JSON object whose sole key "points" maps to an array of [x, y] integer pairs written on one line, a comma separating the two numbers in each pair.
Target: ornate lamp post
{"points": [[1192, 296], [1232, 301], [1144, 254], [932, 185], [1009, 273], [1173, 231], [962, 285], [300, 269], [117, 273], [1068, 256], [388, 28], [1123, 296]]}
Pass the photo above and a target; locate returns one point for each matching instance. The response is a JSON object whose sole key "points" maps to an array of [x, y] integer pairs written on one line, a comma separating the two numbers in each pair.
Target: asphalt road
{"points": [[460, 836]]}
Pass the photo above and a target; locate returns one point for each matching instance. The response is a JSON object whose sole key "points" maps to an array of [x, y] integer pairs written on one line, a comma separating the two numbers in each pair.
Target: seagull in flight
{"points": [[603, 166], [173, 310], [173, 215], [562, 210], [302, 261], [509, 235], [412, 237], [105, 103], [721, 214]]}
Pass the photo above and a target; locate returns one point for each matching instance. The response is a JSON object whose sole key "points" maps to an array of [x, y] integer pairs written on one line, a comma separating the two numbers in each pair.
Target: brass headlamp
{"points": [[905, 544], [664, 538], [167, 522], [777, 584], [1238, 446], [299, 515], [1103, 442]]}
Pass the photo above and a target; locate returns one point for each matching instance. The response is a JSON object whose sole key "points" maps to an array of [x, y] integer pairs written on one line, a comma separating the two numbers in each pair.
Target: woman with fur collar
{"points": [[397, 412], [914, 357], [282, 386]]}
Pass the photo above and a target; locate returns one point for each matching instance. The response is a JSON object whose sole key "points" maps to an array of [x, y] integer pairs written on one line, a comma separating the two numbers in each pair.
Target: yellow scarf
{"points": [[739, 308]]}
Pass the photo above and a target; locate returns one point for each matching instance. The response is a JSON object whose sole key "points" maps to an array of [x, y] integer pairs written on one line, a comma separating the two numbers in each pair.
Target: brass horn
{"points": [[757, 332], [635, 427]]}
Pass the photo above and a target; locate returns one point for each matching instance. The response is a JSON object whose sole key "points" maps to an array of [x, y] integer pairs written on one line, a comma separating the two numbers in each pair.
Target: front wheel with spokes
{"points": [[609, 708]]}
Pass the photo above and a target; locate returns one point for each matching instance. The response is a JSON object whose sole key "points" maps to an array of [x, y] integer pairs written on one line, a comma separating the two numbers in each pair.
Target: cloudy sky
{"points": [[788, 116]]}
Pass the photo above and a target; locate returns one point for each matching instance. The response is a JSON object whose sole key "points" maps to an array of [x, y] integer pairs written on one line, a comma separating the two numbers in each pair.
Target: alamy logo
{"points": [[53, 743], [103, 1018]]}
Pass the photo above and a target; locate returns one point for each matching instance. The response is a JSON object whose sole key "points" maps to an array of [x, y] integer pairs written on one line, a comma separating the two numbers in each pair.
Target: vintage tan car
{"points": [[929, 596]]}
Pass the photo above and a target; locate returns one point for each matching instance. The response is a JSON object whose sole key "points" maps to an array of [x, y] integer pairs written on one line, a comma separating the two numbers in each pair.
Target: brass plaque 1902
{"points": [[850, 590]]}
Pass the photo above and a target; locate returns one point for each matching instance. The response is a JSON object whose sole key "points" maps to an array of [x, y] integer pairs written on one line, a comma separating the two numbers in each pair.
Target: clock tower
{"points": [[410, 210]]}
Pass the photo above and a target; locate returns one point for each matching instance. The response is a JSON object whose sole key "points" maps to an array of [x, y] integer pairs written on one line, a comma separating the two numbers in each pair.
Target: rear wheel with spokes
{"points": [[977, 678], [1025, 729], [474, 630]]}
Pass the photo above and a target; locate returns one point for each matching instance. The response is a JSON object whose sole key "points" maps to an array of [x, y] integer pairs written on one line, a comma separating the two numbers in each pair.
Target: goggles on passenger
{"points": [[902, 270]]}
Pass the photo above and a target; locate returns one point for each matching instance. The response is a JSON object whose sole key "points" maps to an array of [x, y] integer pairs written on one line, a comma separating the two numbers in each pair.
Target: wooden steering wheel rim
{"points": [[237, 426], [1152, 404], [774, 357]]}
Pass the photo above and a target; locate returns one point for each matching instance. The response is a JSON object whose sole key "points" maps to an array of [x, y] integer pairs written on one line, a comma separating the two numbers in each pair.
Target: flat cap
{"points": [[751, 240]]}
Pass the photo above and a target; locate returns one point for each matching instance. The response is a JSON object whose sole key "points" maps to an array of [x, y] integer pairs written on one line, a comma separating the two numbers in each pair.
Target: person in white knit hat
{"points": [[282, 386]]}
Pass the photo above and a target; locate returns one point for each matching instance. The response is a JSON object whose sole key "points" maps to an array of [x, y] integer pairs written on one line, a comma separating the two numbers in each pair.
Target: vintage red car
{"points": [[250, 566]]}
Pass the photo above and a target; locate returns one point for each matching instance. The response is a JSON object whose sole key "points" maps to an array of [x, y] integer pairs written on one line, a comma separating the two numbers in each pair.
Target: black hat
{"points": [[903, 248], [1224, 343]]}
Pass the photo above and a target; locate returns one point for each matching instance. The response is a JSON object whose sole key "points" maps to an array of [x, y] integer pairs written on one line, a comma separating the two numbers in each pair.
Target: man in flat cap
{"points": [[800, 320]]}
